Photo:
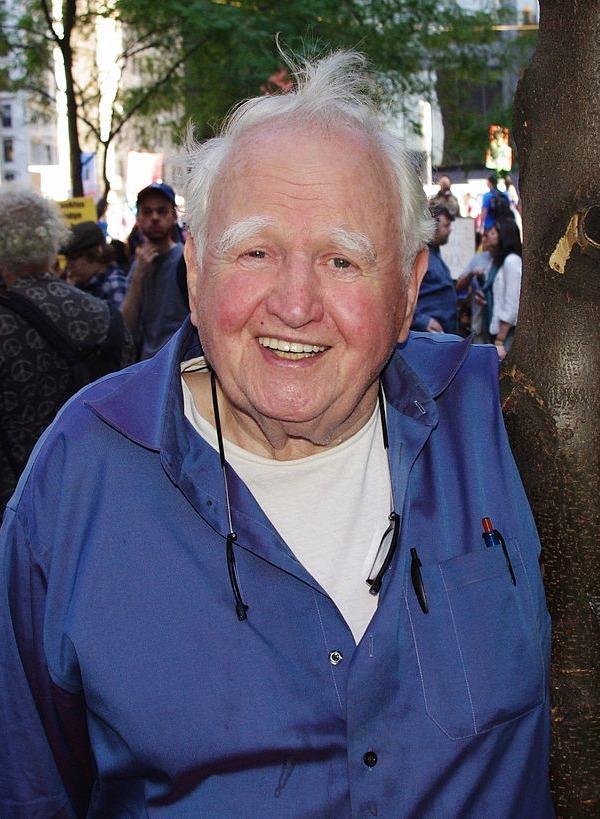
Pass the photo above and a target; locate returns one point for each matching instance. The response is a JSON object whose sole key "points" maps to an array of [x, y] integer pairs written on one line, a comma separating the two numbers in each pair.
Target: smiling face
{"points": [[300, 296]]}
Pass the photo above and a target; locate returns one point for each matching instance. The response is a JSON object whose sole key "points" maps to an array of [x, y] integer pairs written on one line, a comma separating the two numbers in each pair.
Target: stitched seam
{"points": [[460, 654], [416, 650], [335, 685], [515, 545], [427, 707], [463, 585]]}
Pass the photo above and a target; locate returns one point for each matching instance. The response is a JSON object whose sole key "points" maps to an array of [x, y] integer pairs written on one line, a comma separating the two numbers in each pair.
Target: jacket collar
{"points": [[146, 404]]}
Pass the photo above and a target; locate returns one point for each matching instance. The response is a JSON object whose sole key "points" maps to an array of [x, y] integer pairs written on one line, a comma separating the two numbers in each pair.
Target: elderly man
{"points": [[248, 578]]}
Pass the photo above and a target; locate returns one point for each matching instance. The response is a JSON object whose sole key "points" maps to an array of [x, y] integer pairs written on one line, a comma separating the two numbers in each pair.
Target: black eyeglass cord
{"points": [[240, 607], [376, 582]]}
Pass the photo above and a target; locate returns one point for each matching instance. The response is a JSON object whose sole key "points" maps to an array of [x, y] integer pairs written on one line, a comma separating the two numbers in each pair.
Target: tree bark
{"points": [[550, 380], [69, 20], [74, 146]]}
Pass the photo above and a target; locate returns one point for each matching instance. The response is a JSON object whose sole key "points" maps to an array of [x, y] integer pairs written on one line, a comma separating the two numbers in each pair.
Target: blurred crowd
{"points": [[482, 298], [74, 306]]}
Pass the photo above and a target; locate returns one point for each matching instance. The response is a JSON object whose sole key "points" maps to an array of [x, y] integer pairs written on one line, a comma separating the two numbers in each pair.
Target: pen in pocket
{"points": [[492, 537], [417, 580]]}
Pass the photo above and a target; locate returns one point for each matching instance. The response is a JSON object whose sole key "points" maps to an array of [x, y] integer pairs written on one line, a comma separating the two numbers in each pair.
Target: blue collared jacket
{"points": [[128, 687]]}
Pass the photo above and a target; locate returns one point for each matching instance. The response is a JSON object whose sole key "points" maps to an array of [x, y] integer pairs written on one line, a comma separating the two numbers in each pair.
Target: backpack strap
{"points": [[115, 337], [32, 314]]}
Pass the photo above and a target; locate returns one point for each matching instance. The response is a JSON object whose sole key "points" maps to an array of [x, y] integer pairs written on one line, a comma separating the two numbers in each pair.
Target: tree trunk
{"points": [[74, 146], [550, 382], [105, 180], [69, 21]]}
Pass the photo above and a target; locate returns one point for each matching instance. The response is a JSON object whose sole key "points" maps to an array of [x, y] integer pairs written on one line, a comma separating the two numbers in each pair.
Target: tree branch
{"points": [[27, 30], [127, 55], [50, 23], [93, 128], [153, 88], [69, 17]]}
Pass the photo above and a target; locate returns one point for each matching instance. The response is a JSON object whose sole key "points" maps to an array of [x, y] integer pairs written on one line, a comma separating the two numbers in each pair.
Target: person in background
{"points": [[54, 338], [502, 287], [511, 192], [471, 283], [445, 198], [515, 201], [156, 301], [437, 303], [495, 204], [91, 266]]}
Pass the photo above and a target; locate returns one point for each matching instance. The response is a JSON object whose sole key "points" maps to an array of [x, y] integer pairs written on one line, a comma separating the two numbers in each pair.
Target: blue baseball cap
{"points": [[157, 187]]}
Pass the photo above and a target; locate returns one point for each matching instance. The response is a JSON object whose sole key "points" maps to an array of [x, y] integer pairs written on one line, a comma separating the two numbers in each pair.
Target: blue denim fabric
{"points": [[121, 641], [437, 296]]}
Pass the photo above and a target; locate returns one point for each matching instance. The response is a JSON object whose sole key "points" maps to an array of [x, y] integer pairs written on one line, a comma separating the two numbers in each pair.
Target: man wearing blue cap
{"points": [[155, 305]]}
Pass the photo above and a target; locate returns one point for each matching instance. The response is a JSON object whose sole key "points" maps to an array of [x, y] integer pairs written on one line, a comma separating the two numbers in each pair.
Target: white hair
{"points": [[331, 92], [240, 232], [32, 229]]}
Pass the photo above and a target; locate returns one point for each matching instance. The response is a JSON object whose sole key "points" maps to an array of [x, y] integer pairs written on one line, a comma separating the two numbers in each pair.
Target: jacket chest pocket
{"points": [[478, 648]]}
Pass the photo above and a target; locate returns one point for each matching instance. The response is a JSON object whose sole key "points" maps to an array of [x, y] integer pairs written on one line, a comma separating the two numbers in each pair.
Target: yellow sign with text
{"points": [[78, 209]]}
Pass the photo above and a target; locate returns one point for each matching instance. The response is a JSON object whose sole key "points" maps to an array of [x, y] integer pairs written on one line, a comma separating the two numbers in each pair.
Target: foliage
{"points": [[232, 43], [198, 58], [472, 100]]}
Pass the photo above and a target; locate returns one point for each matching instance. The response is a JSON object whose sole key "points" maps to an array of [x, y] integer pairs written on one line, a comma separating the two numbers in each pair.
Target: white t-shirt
{"points": [[330, 508], [506, 290]]}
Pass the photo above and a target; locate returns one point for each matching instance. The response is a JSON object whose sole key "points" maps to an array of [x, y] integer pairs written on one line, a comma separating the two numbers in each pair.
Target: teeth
{"points": [[295, 349]]}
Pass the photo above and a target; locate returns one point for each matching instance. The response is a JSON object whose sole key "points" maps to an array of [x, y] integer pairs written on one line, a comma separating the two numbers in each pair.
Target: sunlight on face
{"points": [[300, 296]]}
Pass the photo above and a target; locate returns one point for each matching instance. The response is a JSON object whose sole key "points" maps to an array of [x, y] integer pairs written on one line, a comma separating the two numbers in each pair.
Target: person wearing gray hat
{"points": [[91, 266]]}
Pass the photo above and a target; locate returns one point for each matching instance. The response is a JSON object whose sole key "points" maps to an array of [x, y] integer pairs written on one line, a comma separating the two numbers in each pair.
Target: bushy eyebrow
{"points": [[354, 242], [350, 241], [240, 232]]}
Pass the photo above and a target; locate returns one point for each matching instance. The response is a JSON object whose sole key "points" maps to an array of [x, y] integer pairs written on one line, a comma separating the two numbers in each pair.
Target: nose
{"points": [[296, 297]]}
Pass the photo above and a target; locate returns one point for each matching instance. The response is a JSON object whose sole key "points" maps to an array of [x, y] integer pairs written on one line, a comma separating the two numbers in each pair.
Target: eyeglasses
{"points": [[389, 541], [385, 554]]}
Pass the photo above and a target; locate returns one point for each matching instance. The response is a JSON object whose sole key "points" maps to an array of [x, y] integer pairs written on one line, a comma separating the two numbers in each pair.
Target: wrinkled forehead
{"points": [[289, 142], [335, 171]]}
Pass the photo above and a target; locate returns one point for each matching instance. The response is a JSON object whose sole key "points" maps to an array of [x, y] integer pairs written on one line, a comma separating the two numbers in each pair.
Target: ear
{"points": [[191, 262], [415, 278]]}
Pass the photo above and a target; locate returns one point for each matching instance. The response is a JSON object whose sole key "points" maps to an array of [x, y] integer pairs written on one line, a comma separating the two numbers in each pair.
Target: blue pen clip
{"points": [[492, 537]]}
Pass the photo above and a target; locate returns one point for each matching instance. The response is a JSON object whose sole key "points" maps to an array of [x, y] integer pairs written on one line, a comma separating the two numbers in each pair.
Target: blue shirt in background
{"points": [[437, 296]]}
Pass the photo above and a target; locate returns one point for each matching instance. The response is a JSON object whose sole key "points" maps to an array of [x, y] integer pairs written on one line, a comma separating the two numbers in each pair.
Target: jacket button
{"points": [[370, 759], [335, 657]]}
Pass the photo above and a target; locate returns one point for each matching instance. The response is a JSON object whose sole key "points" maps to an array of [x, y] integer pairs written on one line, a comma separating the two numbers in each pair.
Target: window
{"points": [[6, 115], [9, 176], [8, 149]]}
